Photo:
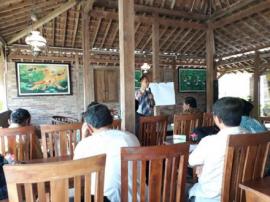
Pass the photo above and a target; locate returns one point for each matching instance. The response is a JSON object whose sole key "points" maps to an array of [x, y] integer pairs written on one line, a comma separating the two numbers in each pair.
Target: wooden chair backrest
{"points": [[153, 130], [167, 167], [116, 124], [57, 174], [208, 119], [60, 140], [245, 159], [185, 123], [17, 141], [63, 120], [264, 119]]}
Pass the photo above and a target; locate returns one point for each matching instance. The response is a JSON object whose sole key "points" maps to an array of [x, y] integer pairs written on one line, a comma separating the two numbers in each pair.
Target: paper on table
{"points": [[164, 93]]}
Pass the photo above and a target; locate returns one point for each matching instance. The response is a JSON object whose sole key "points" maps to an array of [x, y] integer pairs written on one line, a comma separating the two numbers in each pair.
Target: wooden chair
{"points": [[208, 119], [264, 119], [57, 174], [185, 123], [153, 130], [167, 166], [18, 141], [245, 160], [60, 140], [56, 120], [116, 124]]}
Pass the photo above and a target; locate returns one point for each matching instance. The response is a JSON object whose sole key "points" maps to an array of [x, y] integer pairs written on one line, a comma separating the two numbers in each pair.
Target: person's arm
{"points": [[138, 95], [197, 157]]}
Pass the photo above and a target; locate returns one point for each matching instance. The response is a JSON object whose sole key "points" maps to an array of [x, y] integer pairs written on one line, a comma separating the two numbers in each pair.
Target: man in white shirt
{"points": [[108, 141], [210, 152]]}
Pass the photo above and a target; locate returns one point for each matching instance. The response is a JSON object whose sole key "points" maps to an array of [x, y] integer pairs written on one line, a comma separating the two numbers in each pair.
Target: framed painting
{"points": [[43, 79], [138, 75], [191, 80]]}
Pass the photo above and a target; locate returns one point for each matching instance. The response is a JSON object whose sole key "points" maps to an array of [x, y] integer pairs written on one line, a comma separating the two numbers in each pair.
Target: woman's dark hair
{"points": [[191, 101], [229, 110], [20, 116], [98, 116], [247, 107], [144, 77]]}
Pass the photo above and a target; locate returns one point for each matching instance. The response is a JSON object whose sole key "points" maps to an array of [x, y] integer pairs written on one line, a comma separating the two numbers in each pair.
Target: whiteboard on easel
{"points": [[164, 93]]}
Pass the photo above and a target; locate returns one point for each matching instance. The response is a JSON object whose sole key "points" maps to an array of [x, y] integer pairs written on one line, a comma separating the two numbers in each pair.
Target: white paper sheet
{"points": [[164, 93]]}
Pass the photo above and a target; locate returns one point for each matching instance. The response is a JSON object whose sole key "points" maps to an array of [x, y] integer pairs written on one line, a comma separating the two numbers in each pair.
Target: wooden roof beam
{"points": [[61, 9], [232, 8], [241, 14], [149, 20], [76, 25], [106, 33], [151, 10]]}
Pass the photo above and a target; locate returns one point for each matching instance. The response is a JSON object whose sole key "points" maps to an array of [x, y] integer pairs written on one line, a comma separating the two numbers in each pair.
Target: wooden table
{"points": [[257, 190], [49, 160]]}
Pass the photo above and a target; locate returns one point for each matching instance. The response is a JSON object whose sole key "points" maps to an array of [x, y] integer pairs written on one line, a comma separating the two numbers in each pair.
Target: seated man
{"points": [[190, 106], [249, 123], [210, 152], [108, 141], [21, 118]]}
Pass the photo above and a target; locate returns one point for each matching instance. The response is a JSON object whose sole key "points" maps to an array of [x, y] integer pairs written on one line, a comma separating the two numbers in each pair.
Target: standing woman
{"points": [[145, 98]]}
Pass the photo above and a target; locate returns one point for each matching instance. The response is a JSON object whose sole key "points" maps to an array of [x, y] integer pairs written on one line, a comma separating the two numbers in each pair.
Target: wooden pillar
{"points": [[78, 90], [155, 49], [155, 55], [88, 71], [3, 63], [127, 64], [210, 52], [256, 86]]}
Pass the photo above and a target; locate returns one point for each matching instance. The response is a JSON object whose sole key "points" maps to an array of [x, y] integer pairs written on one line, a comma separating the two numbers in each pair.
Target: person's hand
{"points": [[198, 170], [142, 89], [85, 130], [150, 96]]}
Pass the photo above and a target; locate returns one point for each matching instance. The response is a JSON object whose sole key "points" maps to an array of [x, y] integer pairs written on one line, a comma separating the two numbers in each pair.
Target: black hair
{"points": [[92, 104], [247, 107], [20, 116], [136, 105], [191, 101], [143, 77], [229, 110], [98, 116]]}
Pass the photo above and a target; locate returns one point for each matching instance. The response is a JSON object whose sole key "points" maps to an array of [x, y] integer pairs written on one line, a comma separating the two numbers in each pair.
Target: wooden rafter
{"points": [[76, 25], [168, 37], [65, 28], [149, 19], [188, 41], [232, 8], [181, 39], [242, 14], [196, 40], [106, 32], [149, 9], [116, 30], [175, 37], [96, 32], [62, 8]]}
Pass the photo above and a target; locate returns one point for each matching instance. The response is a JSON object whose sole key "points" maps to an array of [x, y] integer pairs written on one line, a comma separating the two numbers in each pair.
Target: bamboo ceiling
{"points": [[240, 26]]}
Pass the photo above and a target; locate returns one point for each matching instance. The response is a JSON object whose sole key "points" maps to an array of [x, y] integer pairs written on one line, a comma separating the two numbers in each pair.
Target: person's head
{"points": [[21, 117], [189, 102], [98, 117], [227, 112], [90, 105], [247, 107], [144, 82]]}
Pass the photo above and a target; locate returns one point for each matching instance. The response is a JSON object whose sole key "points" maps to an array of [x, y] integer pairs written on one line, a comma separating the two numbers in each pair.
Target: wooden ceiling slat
{"points": [[65, 28], [167, 37]]}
